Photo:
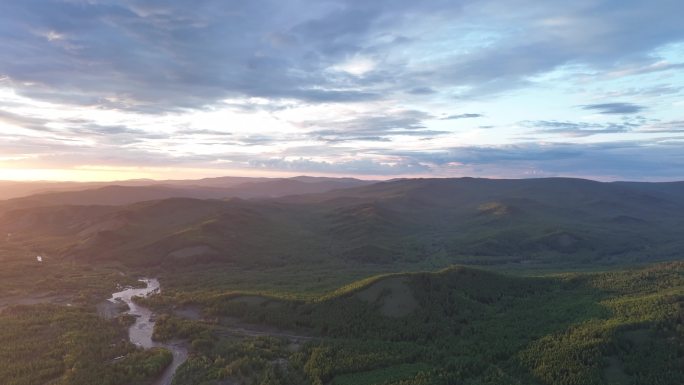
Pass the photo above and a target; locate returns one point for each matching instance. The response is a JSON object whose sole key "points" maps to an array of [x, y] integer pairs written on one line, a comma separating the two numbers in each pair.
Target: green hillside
{"points": [[463, 325]]}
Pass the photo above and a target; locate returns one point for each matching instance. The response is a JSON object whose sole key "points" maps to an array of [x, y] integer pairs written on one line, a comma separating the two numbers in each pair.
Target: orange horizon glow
{"points": [[112, 174], [84, 174]]}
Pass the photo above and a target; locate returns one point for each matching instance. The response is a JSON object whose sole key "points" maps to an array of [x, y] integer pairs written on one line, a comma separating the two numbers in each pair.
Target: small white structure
{"points": [[39, 258]]}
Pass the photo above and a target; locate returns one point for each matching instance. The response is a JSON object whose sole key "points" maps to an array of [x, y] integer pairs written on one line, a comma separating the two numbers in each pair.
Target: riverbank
{"points": [[140, 333]]}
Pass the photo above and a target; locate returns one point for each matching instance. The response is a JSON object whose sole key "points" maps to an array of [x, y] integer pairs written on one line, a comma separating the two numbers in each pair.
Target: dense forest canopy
{"points": [[395, 283]]}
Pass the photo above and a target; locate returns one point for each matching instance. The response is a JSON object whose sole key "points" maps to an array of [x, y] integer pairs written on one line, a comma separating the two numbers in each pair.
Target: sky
{"points": [[122, 89]]}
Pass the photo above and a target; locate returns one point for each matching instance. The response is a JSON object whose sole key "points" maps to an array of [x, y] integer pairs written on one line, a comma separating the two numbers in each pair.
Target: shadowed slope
{"points": [[450, 220]]}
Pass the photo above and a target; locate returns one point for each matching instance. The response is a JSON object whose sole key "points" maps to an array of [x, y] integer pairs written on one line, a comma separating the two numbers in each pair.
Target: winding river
{"points": [[140, 333]]}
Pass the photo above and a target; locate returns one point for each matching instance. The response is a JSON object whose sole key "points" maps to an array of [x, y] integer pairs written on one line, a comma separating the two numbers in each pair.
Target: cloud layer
{"points": [[383, 87]]}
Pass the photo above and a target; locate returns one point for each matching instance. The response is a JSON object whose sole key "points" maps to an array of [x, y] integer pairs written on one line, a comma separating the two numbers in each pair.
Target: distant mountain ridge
{"points": [[462, 220], [127, 192]]}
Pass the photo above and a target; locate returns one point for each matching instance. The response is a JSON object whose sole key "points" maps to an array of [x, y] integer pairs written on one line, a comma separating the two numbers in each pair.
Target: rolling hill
{"points": [[465, 325], [128, 192], [479, 221]]}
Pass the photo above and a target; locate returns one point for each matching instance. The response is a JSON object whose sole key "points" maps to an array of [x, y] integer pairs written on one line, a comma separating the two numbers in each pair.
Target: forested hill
{"points": [[468, 326], [464, 220]]}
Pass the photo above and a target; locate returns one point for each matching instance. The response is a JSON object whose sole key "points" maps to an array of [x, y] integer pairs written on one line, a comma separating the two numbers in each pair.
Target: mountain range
{"points": [[317, 220]]}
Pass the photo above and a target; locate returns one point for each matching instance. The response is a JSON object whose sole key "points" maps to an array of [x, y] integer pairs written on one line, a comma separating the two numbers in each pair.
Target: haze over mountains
{"points": [[317, 220], [124, 192]]}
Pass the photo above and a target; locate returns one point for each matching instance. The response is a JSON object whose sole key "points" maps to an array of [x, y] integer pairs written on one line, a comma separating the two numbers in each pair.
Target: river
{"points": [[140, 333]]}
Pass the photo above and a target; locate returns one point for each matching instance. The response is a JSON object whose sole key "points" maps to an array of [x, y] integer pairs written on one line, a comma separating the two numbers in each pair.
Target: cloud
{"points": [[162, 56], [653, 159], [74, 130], [26, 122], [614, 108], [638, 125], [461, 116], [671, 127], [370, 166], [618, 160], [343, 85], [371, 126], [650, 91], [658, 66], [422, 91], [194, 132], [578, 129]]}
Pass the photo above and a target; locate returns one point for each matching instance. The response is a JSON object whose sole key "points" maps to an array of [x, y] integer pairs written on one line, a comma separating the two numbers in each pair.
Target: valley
{"points": [[395, 283], [341, 192]]}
